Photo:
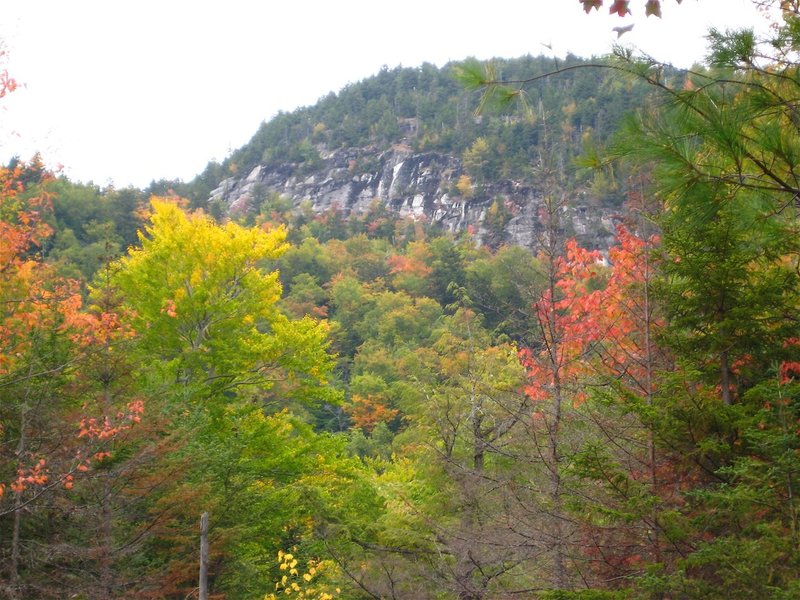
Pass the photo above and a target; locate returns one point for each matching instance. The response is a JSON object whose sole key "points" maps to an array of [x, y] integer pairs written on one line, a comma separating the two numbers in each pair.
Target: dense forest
{"points": [[367, 406], [431, 109]]}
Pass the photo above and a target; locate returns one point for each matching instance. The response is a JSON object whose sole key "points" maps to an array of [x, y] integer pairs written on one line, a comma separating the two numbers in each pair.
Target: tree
{"points": [[209, 311], [410, 270], [225, 361], [613, 321], [53, 435], [92, 549], [471, 415], [552, 365], [502, 286], [34, 352], [721, 152], [481, 162], [451, 523]]}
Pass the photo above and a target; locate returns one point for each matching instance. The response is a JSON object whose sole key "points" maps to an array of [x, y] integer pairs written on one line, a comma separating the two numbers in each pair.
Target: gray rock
{"points": [[419, 185]]}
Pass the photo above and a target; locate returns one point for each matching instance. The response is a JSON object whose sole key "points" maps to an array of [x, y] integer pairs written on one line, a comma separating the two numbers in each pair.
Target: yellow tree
{"points": [[220, 355], [207, 307]]}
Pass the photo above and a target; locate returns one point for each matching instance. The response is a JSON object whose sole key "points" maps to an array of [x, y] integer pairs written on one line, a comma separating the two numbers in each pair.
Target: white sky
{"points": [[124, 92]]}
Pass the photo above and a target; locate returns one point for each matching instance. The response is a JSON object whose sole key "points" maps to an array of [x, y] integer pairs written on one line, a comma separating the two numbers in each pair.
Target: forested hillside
{"points": [[368, 405], [429, 108], [422, 143]]}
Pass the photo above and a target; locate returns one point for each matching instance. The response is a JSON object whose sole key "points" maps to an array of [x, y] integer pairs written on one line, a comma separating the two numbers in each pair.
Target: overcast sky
{"points": [[126, 92]]}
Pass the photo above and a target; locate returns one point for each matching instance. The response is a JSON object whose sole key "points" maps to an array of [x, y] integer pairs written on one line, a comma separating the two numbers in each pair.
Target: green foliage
{"points": [[656, 457], [722, 152], [502, 287], [376, 444], [92, 226], [446, 261], [430, 108]]}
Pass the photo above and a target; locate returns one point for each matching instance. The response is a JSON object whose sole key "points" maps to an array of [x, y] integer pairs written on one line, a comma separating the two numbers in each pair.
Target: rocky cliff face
{"points": [[418, 185]]}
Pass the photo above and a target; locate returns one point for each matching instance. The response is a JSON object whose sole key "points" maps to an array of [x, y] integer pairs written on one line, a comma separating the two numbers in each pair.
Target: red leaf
{"points": [[620, 7], [588, 5]]}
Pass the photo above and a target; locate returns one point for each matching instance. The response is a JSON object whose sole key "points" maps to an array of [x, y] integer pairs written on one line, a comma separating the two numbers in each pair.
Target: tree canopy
{"points": [[369, 407]]}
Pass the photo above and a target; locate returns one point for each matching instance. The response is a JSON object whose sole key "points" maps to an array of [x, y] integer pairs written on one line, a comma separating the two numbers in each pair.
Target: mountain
{"points": [[422, 143]]}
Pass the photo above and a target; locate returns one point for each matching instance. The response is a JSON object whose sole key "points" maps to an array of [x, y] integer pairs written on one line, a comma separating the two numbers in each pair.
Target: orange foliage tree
{"points": [[49, 437], [598, 327]]}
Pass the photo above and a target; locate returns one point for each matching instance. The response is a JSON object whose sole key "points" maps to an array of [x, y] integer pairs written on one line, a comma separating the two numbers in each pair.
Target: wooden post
{"points": [[204, 556]]}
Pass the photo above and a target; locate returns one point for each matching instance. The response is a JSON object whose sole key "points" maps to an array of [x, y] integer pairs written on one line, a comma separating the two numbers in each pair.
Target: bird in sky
{"points": [[622, 30]]}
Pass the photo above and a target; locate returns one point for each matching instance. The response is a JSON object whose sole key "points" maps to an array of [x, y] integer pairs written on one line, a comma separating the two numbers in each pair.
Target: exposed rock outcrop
{"points": [[419, 185]]}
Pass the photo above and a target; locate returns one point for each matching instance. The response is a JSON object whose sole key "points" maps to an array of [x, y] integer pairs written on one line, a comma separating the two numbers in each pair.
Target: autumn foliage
{"points": [[428, 415], [600, 322], [41, 308], [622, 7]]}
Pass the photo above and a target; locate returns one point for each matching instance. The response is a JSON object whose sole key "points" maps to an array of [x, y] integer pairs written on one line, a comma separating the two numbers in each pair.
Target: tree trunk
{"points": [[559, 568], [725, 378], [15, 541], [106, 526], [552, 340], [204, 556], [651, 438], [478, 443]]}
